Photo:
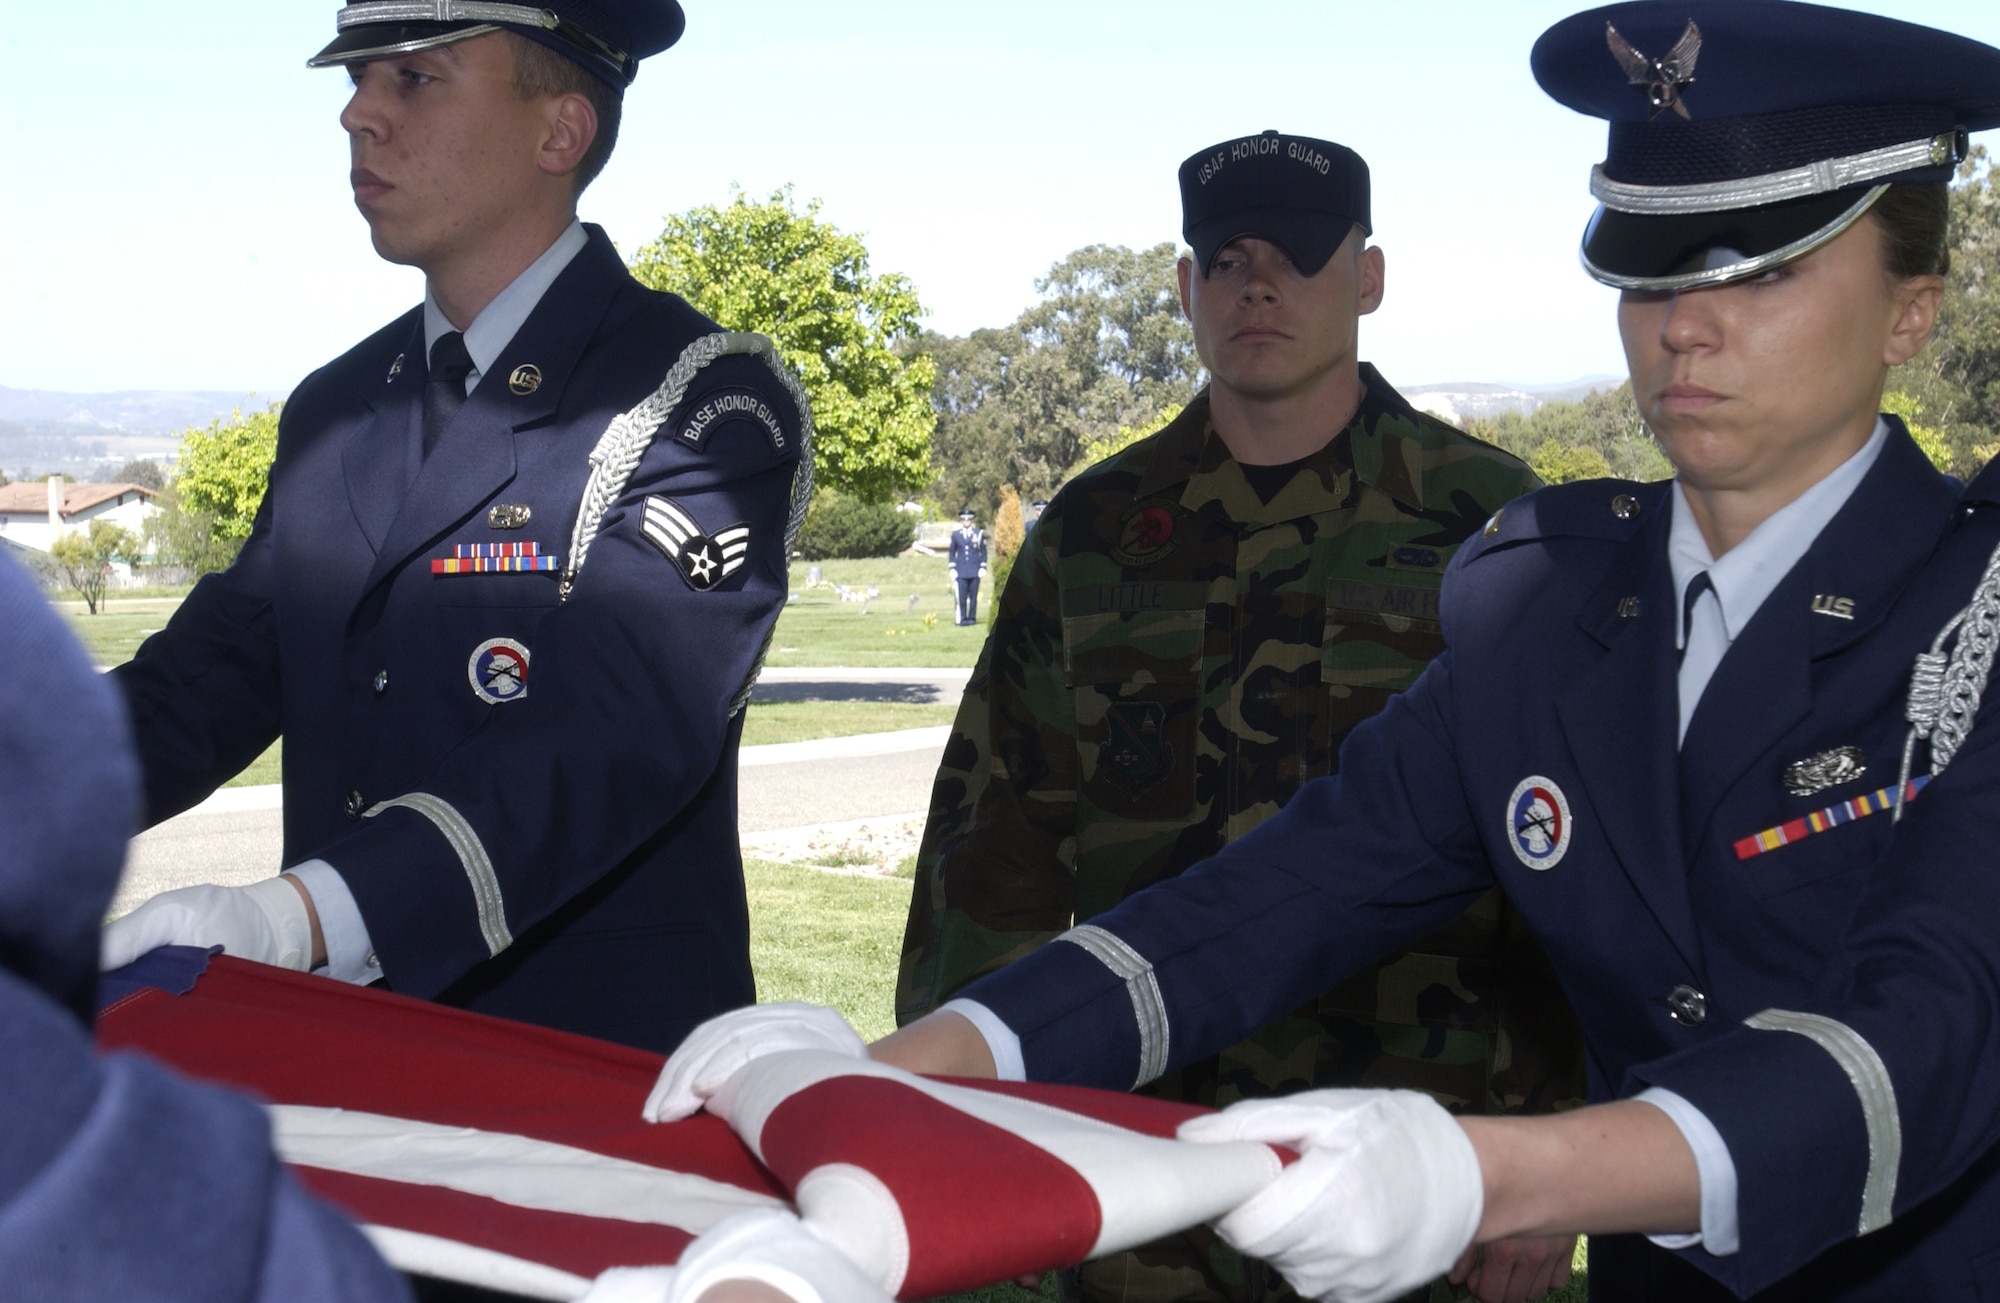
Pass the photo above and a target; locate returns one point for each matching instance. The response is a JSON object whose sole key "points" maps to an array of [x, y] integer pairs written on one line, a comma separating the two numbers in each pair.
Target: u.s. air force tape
{"points": [[725, 406]]}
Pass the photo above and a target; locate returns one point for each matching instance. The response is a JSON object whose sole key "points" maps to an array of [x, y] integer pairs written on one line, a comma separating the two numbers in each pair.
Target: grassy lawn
{"points": [[120, 625], [817, 628], [802, 721]]}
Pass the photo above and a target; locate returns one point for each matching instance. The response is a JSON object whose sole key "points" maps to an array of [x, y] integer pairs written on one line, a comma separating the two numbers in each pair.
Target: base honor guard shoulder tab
{"points": [[736, 398], [1613, 510]]}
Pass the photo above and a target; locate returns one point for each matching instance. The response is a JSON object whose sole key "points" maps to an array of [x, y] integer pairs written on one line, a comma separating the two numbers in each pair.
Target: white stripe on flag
{"points": [[428, 1255], [514, 1169], [1146, 1187]]}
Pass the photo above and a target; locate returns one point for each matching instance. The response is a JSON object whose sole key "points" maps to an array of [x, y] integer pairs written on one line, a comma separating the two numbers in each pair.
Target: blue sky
{"points": [[177, 213]]}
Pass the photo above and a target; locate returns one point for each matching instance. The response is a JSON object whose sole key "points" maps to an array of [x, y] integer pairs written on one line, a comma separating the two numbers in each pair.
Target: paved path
{"points": [[791, 788]]}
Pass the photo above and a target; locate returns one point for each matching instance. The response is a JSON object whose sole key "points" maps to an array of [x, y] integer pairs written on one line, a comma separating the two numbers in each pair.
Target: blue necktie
{"points": [[1700, 584], [444, 390]]}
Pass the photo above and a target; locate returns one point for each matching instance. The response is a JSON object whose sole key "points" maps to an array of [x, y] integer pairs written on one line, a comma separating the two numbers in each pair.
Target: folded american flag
{"points": [[514, 1157]]}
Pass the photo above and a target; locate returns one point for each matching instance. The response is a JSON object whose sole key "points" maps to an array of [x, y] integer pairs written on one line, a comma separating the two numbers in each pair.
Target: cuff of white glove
{"points": [[1715, 1168], [291, 927], [1001, 1041], [350, 954]]}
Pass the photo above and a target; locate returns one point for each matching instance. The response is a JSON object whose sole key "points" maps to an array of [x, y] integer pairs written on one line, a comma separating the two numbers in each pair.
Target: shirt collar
{"points": [[495, 327], [1748, 572]]}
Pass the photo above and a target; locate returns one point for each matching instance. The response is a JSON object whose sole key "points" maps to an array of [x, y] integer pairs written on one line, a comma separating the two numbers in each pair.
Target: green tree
{"points": [[85, 558], [1929, 439], [842, 525], [772, 268], [1606, 424], [1105, 348], [1557, 463], [144, 472], [224, 469], [186, 540], [1955, 382]]}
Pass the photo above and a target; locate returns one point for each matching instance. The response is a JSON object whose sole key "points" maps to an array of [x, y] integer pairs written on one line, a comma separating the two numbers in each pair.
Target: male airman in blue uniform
{"points": [[967, 559], [520, 556]]}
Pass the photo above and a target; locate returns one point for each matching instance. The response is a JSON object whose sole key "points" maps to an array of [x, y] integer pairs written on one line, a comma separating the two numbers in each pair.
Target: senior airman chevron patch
{"points": [[704, 560]]}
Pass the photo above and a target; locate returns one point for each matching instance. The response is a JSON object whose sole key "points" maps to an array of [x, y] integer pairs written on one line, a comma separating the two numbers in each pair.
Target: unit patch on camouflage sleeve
{"points": [[704, 560], [733, 404], [1146, 535], [1136, 756]]}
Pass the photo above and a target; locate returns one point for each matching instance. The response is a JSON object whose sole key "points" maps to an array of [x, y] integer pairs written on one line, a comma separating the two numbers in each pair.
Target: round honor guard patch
{"points": [[1538, 824], [499, 670], [1146, 535]]}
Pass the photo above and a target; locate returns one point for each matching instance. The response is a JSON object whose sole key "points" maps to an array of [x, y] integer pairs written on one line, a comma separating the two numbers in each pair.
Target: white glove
{"points": [[265, 922], [767, 1245], [715, 1051], [1385, 1196]]}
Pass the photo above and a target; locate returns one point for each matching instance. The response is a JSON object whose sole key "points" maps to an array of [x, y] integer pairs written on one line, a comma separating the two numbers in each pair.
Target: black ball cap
{"points": [[1301, 194], [1745, 133], [608, 37]]}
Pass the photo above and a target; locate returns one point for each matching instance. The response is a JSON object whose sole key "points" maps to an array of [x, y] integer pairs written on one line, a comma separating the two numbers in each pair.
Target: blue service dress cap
{"points": [[608, 37], [1301, 194], [1745, 133]]}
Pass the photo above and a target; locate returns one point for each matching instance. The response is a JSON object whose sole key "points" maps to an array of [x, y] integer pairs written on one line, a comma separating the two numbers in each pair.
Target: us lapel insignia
{"points": [[1538, 823], [1815, 774], [527, 378], [395, 369], [1840, 608], [704, 560], [509, 515], [1628, 607]]}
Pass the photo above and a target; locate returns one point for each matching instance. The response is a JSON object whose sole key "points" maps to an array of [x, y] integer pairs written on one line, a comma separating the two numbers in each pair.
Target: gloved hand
{"points": [[265, 922], [715, 1051], [1385, 1196], [767, 1245]]}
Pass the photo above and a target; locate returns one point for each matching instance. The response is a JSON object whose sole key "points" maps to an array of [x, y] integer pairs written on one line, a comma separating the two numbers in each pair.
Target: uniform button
{"points": [[372, 961], [1624, 506], [1687, 1006], [381, 682], [355, 805]]}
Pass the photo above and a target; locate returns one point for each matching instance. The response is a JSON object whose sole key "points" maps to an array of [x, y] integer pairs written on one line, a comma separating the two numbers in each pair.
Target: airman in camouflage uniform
{"points": [[1183, 642]]}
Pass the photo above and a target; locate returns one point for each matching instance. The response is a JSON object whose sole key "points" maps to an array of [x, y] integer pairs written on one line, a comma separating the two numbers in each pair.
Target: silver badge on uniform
{"points": [[1538, 823], [498, 670], [509, 515], [1815, 774]]}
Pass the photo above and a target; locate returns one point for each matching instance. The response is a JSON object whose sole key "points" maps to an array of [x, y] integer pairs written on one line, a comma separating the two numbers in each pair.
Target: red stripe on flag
{"points": [[874, 1124], [299, 1039], [581, 1245]]}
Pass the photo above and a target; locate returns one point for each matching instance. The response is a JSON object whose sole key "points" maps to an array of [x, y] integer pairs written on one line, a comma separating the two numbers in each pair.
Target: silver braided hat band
{"points": [[1819, 178], [443, 11], [1738, 270]]}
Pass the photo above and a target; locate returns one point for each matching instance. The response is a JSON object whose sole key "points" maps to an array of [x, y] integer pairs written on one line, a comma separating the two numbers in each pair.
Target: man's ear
{"points": [[1368, 278], [571, 128], [1184, 270]]}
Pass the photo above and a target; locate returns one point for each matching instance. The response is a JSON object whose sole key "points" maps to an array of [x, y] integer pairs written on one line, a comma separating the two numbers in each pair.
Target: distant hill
{"points": [[47, 432], [1462, 401]]}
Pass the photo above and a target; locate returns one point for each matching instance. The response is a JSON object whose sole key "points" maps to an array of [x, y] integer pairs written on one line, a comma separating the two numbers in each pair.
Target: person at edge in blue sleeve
{"points": [[118, 1179], [1722, 740], [520, 557]]}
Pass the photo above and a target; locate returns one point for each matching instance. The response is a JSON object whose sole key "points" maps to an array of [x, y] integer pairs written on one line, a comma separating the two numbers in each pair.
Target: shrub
{"points": [[840, 525]]}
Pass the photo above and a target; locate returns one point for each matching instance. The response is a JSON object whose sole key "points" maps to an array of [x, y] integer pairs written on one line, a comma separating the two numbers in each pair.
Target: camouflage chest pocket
{"points": [[1379, 637], [1136, 676]]}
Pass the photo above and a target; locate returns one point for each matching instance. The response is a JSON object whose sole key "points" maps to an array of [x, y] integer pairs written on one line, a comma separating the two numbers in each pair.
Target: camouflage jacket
{"points": [[1172, 658]]}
